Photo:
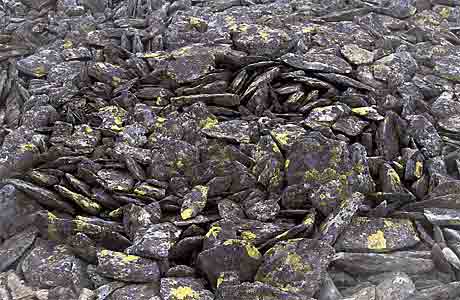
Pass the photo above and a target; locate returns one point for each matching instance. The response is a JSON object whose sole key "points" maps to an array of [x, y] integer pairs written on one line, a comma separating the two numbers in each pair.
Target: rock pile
{"points": [[195, 150]]}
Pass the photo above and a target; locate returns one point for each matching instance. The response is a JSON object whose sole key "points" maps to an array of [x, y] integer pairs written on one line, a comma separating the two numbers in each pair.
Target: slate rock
{"points": [[128, 268], [296, 266], [378, 235], [136, 291], [247, 290], [239, 255], [12, 249], [155, 241], [372, 263], [398, 287], [49, 265], [184, 289]]}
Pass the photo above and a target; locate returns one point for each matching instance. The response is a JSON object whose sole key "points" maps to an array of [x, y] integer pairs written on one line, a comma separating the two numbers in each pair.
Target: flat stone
{"points": [[377, 235]]}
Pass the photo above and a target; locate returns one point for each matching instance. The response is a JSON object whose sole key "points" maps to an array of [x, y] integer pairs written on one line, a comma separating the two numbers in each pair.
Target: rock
{"points": [[242, 257], [296, 266], [356, 55], [49, 265], [371, 263], [12, 249], [339, 220], [136, 291], [183, 288], [129, 268], [155, 241], [398, 286], [377, 235]]}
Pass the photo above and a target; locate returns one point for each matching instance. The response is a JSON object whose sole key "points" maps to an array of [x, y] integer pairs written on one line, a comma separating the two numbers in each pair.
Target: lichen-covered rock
{"points": [[325, 165], [194, 202], [340, 218], [377, 235], [155, 241], [12, 249], [398, 287], [49, 265], [241, 256], [425, 135], [296, 266], [129, 268], [372, 263], [184, 288], [256, 290], [148, 291]]}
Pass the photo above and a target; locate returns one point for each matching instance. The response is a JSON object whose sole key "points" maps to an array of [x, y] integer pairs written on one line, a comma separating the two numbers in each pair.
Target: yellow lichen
{"points": [[27, 147], [444, 12], [116, 81], [87, 129], [210, 122], [118, 120], [251, 250], [359, 168], [418, 169], [140, 192], [179, 163], [264, 35], [309, 29], [231, 23], [243, 27], [159, 122], [195, 21], [184, 293], [248, 235], [275, 148], [116, 213], [40, 71], [308, 220], [389, 223], [154, 55], [186, 213], [361, 111], [286, 163], [203, 190], [124, 257], [297, 263], [214, 231], [377, 241], [394, 177], [282, 138], [275, 180], [68, 44], [116, 128], [181, 51], [220, 279]]}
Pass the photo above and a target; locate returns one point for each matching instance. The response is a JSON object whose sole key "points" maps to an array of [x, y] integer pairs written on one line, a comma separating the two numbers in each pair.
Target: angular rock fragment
{"points": [[371, 263], [49, 265], [399, 286], [241, 257], [128, 268], [338, 220], [194, 202], [296, 266], [155, 241], [12, 249], [377, 235], [148, 291], [442, 216], [183, 288]]}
